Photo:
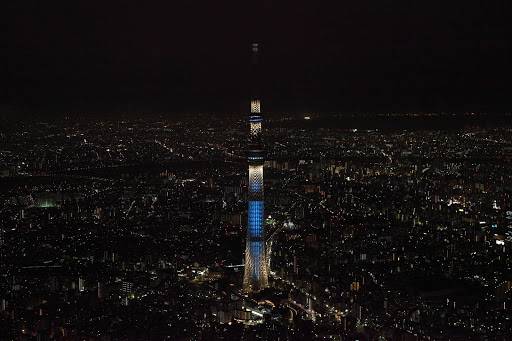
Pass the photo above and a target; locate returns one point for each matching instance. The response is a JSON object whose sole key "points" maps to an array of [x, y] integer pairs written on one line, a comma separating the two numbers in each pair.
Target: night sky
{"points": [[194, 55]]}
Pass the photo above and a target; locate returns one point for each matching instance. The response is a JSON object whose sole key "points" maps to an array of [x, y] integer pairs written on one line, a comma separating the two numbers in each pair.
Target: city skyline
{"points": [[374, 233], [162, 179]]}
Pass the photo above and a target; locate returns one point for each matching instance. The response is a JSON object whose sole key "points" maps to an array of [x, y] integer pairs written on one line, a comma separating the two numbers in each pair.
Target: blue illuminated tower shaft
{"points": [[256, 265]]}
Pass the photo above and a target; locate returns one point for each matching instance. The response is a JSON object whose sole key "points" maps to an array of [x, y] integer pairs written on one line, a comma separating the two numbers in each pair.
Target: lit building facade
{"points": [[256, 262]]}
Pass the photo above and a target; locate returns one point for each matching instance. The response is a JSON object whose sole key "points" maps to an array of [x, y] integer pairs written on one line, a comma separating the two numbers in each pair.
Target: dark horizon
{"points": [[370, 57]]}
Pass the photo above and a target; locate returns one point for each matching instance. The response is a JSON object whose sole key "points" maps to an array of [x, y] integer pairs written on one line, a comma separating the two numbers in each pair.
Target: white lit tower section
{"points": [[256, 265]]}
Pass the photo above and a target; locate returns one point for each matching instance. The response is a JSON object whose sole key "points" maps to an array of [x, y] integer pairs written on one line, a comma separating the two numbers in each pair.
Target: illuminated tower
{"points": [[256, 265]]}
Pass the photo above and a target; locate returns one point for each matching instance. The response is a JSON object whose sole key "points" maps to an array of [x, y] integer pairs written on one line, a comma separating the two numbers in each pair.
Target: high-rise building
{"points": [[256, 264]]}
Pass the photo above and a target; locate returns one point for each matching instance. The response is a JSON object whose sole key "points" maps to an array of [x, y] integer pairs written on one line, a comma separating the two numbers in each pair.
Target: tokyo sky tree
{"points": [[256, 263]]}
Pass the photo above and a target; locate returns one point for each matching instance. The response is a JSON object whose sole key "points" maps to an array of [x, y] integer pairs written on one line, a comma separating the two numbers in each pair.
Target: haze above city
{"points": [[370, 56]]}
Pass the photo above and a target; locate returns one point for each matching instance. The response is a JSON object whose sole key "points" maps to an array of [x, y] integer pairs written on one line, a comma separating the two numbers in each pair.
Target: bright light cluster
{"points": [[255, 129], [255, 219], [255, 178], [255, 106]]}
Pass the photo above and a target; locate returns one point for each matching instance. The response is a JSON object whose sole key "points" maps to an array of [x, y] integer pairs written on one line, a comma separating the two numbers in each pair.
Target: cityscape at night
{"points": [[299, 178], [138, 228]]}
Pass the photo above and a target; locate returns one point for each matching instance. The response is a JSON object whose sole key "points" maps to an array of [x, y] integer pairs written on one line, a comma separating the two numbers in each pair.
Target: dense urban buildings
{"points": [[136, 229]]}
